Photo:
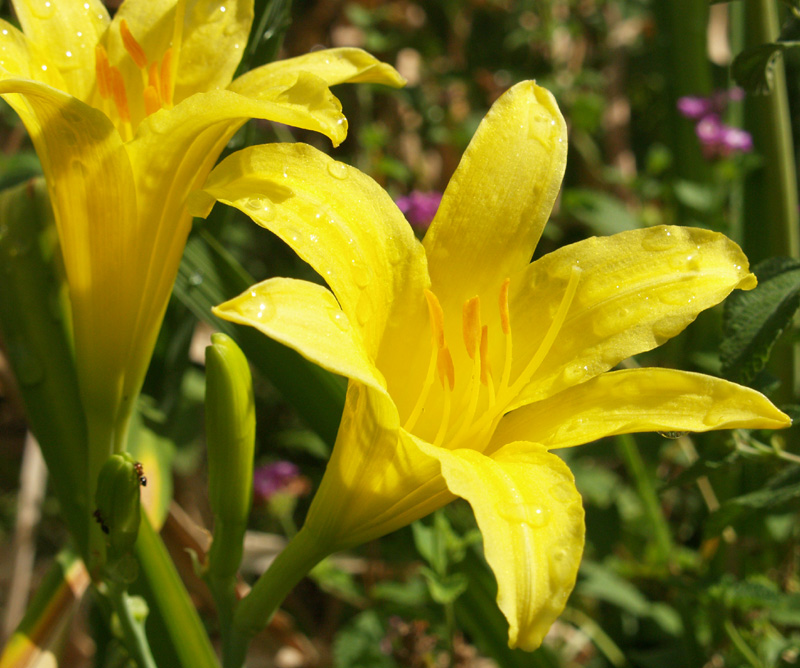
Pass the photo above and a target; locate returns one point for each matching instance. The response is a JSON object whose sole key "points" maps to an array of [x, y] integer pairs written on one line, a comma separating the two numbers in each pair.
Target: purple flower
{"points": [[272, 478], [694, 107], [419, 208], [717, 139], [736, 139]]}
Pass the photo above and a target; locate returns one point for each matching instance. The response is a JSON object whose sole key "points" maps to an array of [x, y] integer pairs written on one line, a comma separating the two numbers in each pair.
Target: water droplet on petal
{"points": [[337, 170], [658, 240], [673, 434], [340, 320]]}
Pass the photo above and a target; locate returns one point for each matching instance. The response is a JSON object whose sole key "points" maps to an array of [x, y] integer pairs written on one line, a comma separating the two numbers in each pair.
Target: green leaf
{"points": [[34, 326], [775, 495], [759, 594], [754, 68], [359, 644], [175, 630], [445, 589], [208, 276], [754, 320], [602, 213], [598, 581]]}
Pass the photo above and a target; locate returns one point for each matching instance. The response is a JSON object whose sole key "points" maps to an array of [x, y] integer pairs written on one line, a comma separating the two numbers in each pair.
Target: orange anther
{"points": [[446, 368], [505, 320], [471, 322], [133, 47], [103, 70], [154, 78], [151, 101], [167, 78], [437, 318], [486, 369], [120, 98]]}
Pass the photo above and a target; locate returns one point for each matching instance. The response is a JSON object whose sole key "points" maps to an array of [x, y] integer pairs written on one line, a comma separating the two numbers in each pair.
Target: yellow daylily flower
{"points": [[467, 362], [128, 115]]}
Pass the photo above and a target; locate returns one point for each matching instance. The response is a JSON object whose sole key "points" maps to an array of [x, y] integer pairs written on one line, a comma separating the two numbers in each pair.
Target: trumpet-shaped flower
{"points": [[467, 362], [127, 116]]}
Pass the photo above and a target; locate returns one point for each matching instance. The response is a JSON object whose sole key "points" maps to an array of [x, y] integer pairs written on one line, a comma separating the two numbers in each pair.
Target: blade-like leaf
{"points": [[754, 320], [34, 331], [208, 276]]}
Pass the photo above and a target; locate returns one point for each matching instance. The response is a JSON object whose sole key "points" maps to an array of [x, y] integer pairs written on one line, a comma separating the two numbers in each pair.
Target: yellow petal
{"points": [[334, 66], [377, 479], [498, 201], [306, 317], [339, 221], [531, 518], [636, 290], [67, 32], [636, 400], [79, 148], [22, 58]]}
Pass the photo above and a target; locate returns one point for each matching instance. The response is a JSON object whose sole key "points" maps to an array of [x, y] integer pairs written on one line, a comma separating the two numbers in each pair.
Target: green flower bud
{"points": [[118, 503], [230, 437]]}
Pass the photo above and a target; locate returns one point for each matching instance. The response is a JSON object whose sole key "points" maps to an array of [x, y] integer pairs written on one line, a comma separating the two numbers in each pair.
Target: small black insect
{"points": [[99, 519], [137, 466]]}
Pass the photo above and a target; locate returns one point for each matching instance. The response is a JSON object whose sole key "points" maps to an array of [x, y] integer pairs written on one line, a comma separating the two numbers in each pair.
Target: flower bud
{"points": [[118, 503], [230, 438]]}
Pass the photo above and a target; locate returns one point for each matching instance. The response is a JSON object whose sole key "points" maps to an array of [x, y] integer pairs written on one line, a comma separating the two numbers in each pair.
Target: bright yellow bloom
{"points": [[468, 363], [127, 116]]}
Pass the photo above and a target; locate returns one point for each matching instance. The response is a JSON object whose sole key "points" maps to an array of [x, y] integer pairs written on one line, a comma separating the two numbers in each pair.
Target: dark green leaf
{"points": [[775, 495], [755, 319], [753, 69]]}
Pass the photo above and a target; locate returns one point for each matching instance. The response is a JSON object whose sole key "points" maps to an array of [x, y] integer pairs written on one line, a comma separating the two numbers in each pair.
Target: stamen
{"points": [[505, 320], [505, 324], [447, 371], [154, 78], [471, 324], [151, 101], [440, 434], [486, 368], [167, 78], [120, 98], [103, 70], [552, 332], [133, 47], [437, 319], [437, 343]]}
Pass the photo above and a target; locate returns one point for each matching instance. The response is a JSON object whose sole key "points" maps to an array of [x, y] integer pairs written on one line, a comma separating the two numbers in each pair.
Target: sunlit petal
{"points": [[637, 400], [531, 518], [339, 221], [334, 66], [636, 290], [377, 480], [307, 318], [67, 32], [498, 201]]}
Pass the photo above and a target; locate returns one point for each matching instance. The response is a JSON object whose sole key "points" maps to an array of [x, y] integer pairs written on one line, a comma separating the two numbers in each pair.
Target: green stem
{"points": [[626, 446], [254, 611], [772, 221], [741, 645], [134, 636]]}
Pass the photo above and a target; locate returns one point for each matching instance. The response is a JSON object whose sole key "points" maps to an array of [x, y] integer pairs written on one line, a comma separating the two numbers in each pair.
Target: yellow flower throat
{"points": [[483, 403], [158, 78]]}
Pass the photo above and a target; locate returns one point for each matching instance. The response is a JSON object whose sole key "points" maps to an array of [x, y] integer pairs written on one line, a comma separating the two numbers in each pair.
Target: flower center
{"points": [[158, 77], [483, 401]]}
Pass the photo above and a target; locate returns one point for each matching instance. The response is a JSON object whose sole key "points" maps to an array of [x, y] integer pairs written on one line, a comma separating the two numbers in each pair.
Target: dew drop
{"points": [[673, 434], [340, 320], [257, 307], [561, 567], [659, 240], [196, 279], [337, 170], [42, 9]]}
